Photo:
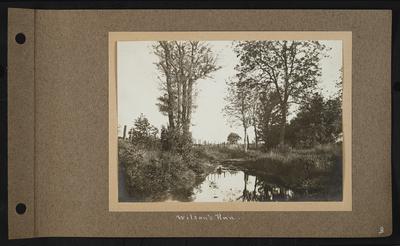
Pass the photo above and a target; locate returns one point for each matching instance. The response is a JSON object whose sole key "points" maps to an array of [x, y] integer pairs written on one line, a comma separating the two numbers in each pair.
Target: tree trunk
{"points": [[180, 83], [124, 135], [189, 102], [179, 116], [169, 86], [187, 107], [184, 103], [283, 125], [255, 135], [245, 139]]}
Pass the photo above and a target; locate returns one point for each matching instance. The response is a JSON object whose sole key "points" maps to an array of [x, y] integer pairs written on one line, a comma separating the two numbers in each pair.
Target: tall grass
{"points": [[316, 171]]}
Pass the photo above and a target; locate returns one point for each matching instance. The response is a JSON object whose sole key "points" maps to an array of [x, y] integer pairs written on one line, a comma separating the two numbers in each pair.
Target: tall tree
{"points": [[268, 116], [238, 107], [291, 67], [181, 65], [254, 109]]}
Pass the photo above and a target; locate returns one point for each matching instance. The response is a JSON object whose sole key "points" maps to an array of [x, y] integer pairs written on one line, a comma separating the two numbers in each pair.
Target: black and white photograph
{"points": [[230, 120]]}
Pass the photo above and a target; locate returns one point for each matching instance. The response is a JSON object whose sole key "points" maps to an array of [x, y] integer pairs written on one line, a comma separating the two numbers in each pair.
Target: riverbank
{"points": [[153, 175], [313, 174], [150, 174]]}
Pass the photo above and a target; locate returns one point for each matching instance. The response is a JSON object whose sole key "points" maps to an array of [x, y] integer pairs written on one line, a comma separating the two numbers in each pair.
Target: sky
{"points": [[138, 88]]}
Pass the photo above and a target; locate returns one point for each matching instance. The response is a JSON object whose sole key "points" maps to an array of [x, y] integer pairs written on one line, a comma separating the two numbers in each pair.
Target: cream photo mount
{"points": [[344, 205]]}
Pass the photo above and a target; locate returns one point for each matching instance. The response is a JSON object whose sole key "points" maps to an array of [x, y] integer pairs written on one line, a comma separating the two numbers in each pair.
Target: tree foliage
{"points": [[181, 65], [289, 69], [268, 116], [318, 121], [143, 133], [233, 138], [238, 108]]}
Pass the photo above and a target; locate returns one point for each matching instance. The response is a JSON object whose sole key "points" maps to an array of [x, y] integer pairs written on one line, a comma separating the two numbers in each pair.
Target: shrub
{"points": [[154, 175]]}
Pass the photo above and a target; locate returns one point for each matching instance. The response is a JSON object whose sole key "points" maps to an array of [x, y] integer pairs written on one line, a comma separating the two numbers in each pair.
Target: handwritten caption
{"points": [[206, 217]]}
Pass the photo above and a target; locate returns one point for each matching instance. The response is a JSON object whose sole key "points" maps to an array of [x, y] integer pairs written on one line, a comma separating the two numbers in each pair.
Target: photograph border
{"points": [[344, 205]]}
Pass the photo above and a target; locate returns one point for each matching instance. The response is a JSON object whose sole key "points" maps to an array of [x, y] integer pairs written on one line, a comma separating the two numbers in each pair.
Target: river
{"points": [[230, 184], [226, 183]]}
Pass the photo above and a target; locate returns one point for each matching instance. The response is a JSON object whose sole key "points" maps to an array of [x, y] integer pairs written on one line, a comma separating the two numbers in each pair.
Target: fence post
{"points": [[124, 135]]}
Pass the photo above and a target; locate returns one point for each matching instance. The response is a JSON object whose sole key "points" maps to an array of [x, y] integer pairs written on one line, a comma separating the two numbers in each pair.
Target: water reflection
{"points": [[228, 184]]}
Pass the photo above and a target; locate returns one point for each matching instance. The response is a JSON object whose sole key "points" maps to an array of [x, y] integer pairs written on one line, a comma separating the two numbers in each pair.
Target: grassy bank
{"points": [[315, 173], [154, 175], [216, 153]]}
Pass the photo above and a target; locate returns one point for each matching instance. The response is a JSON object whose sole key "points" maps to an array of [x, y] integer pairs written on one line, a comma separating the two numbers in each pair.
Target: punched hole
{"points": [[20, 38], [20, 208]]}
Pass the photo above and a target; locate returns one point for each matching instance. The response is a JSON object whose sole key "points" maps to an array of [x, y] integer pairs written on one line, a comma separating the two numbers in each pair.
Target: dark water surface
{"points": [[226, 183], [230, 184]]}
